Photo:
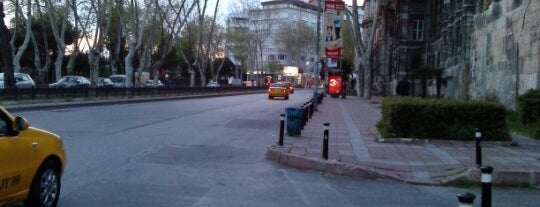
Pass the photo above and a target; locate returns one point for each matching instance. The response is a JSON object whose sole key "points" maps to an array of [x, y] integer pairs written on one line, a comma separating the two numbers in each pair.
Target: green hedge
{"points": [[408, 117], [529, 107]]}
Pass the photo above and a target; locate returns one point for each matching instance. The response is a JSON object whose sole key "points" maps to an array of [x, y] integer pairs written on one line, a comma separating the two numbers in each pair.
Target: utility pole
{"points": [[7, 57], [317, 51]]}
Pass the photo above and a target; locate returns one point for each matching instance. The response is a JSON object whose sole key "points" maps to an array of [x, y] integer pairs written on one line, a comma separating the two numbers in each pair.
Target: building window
{"points": [[418, 30], [282, 57], [271, 57]]}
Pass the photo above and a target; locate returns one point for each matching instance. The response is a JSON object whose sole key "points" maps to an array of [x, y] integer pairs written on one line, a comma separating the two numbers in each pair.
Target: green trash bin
{"points": [[294, 120]]}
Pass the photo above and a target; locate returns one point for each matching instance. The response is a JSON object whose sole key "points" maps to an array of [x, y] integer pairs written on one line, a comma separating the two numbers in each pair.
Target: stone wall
{"points": [[505, 57]]}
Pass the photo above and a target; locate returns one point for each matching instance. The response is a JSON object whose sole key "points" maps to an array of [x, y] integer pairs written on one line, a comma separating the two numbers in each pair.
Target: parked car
{"points": [[22, 80], [236, 82], [104, 82], [278, 90], [152, 84], [31, 164], [213, 84], [118, 80], [71, 81]]}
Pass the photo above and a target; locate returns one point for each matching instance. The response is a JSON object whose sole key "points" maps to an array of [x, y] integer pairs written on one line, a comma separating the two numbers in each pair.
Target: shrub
{"points": [[442, 119], [529, 107]]}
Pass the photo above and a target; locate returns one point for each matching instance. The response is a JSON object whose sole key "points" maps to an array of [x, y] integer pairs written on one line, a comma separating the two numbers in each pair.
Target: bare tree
{"points": [[94, 32], [134, 32], [18, 52], [296, 37], [59, 33], [42, 69], [240, 43], [9, 80], [259, 34], [204, 42], [201, 31], [216, 49], [363, 50], [174, 21]]}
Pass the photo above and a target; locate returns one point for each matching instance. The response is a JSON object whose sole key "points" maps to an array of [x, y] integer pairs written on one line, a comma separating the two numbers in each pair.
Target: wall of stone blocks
{"points": [[505, 57]]}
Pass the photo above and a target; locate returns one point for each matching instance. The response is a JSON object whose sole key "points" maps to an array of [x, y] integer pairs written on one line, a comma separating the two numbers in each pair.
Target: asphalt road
{"points": [[211, 152]]}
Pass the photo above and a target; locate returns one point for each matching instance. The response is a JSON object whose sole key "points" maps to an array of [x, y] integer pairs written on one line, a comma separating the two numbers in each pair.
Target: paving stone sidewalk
{"points": [[356, 149]]}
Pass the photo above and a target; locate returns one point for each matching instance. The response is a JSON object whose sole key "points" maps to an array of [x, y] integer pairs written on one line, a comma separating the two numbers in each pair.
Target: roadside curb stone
{"points": [[415, 161]]}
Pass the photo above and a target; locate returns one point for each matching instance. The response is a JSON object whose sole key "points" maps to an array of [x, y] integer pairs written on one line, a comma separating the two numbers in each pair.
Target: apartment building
{"points": [[264, 24]]}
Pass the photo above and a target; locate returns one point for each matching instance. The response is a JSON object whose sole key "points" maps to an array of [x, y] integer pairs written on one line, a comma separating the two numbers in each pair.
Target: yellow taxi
{"points": [[31, 163], [289, 86], [278, 90]]}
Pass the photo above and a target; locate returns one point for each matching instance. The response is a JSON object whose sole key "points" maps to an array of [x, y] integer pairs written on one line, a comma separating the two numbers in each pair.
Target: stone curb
{"points": [[112, 101], [528, 178]]}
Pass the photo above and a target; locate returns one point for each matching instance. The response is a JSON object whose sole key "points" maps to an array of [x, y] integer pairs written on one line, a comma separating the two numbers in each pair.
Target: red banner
{"points": [[333, 16], [335, 5], [333, 53]]}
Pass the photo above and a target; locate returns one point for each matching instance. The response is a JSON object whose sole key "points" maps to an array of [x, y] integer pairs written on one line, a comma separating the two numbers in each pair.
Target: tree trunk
{"points": [[9, 80], [28, 21], [59, 36], [134, 44]]}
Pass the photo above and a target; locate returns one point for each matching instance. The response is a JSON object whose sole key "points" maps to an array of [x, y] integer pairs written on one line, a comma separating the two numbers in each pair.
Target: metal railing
{"points": [[18, 94]]}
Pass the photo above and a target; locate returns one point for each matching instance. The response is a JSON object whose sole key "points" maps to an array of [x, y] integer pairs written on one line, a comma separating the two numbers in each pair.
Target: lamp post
{"points": [[7, 57]]}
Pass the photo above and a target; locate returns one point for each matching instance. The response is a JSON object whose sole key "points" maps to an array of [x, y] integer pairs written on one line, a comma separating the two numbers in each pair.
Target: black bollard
{"points": [[304, 115], [486, 185], [310, 109], [466, 199], [325, 141], [478, 138], [281, 126]]}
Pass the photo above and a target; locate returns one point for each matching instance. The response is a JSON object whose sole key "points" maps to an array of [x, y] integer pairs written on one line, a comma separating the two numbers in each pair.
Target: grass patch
{"points": [[531, 130]]}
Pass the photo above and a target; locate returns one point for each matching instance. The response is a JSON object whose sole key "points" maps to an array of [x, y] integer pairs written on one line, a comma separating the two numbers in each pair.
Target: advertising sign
{"points": [[333, 13], [290, 71], [334, 84]]}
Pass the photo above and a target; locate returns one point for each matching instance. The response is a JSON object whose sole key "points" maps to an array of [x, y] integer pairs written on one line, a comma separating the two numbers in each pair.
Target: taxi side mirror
{"points": [[20, 124]]}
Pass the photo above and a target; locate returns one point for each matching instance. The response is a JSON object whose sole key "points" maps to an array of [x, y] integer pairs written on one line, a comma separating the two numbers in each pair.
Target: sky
{"points": [[225, 5]]}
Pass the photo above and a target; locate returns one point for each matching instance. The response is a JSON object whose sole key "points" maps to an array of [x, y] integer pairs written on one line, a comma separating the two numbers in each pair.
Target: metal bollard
{"points": [[478, 138], [325, 141], [466, 199], [486, 185], [310, 109], [304, 115], [281, 126]]}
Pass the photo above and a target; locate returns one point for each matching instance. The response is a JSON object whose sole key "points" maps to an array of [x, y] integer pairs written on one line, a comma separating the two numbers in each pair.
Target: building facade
{"points": [[485, 49], [264, 24]]}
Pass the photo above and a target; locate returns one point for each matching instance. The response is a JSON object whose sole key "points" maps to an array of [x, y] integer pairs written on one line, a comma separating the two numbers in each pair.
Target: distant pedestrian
{"points": [[403, 87], [337, 24]]}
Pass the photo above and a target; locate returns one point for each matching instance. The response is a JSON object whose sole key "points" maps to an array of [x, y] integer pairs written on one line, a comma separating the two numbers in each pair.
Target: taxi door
{"points": [[13, 160]]}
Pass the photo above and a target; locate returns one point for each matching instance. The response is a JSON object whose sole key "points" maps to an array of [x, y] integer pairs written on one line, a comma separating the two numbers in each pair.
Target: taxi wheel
{"points": [[286, 97], [45, 188], [270, 97]]}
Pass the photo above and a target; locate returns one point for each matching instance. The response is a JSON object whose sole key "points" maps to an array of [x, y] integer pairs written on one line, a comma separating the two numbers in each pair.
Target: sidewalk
{"points": [[356, 149]]}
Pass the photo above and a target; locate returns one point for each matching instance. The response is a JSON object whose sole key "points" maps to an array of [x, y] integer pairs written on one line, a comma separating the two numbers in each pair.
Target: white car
{"points": [[71, 81], [118, 80], [213, 84], [153, 84], [22, 80]]}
